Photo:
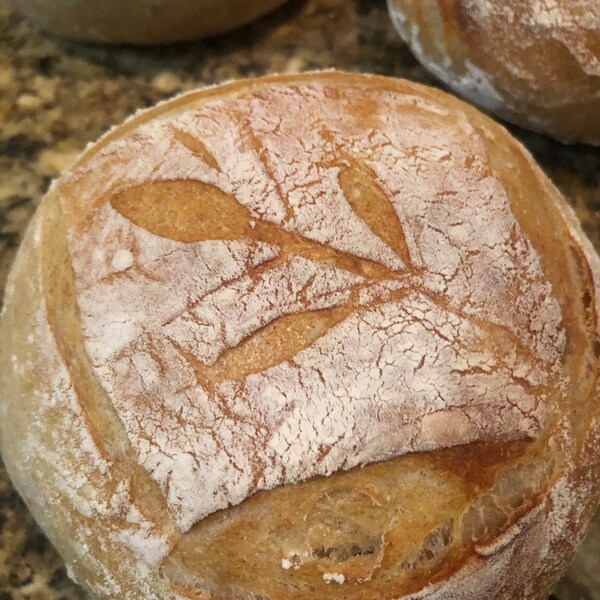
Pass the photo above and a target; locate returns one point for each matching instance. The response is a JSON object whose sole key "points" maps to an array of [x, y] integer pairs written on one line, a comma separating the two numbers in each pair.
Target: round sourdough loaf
{"points": [[142, 21], [313, 336], [533, 62]]}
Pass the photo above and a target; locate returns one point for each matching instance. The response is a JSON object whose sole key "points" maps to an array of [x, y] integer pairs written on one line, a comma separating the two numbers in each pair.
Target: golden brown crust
{"points": [[142, 21], [136, 227], [534, 63]]}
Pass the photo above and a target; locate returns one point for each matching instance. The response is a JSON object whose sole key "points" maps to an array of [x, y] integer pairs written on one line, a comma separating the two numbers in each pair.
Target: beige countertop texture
{"points": [[57, 96]]}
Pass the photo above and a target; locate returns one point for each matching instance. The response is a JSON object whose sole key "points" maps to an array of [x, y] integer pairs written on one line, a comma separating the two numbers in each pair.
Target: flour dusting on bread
{"points": [[258, 285], [380, 364]]}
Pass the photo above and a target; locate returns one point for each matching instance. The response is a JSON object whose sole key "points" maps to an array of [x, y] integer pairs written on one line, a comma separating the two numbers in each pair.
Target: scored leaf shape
{"points": [[184, 210], [193, 211], [372, 205]]}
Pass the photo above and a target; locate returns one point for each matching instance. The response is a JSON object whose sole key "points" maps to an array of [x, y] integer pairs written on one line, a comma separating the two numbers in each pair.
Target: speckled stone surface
{"points": [[56, 96]]}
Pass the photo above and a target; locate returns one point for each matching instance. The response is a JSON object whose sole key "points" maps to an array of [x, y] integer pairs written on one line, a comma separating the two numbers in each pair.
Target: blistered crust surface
{"points": [[299, 335]]}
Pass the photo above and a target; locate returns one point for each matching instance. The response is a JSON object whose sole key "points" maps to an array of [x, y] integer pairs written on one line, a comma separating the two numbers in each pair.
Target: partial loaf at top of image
{"points": [[535, 63], [142, 22]]}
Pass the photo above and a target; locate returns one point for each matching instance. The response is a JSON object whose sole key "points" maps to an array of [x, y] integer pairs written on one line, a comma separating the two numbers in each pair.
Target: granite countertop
{"points": [[56, 96]]}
